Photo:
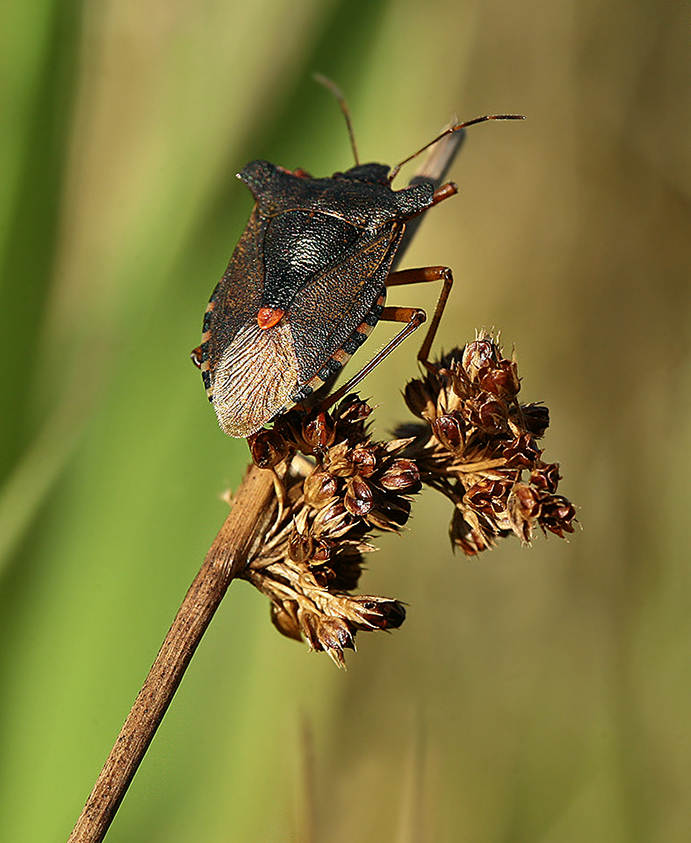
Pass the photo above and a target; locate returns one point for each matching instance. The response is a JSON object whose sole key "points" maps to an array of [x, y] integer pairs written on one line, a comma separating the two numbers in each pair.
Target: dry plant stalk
{"points": [[319, 491], [236, 541]]}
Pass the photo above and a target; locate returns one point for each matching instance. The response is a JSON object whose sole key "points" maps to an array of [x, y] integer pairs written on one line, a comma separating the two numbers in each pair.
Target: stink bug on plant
{"points": [[307, 283]]}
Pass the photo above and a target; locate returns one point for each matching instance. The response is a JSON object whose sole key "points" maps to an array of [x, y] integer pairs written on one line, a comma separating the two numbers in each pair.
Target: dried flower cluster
{"points": [[336, 486], [312, 558], [478, 446]]}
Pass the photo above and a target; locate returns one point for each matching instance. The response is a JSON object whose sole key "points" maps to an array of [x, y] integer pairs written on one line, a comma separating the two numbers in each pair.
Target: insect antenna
{"points": [[340, 99], [456, 128]]}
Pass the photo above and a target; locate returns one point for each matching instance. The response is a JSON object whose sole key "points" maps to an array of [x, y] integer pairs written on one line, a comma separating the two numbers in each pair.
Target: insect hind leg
{"points": [[412, 316], [424, 275]]}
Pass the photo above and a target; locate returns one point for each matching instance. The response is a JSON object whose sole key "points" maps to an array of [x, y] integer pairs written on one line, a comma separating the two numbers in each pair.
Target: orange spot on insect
{"points": [[267, 317], [196, 356]]}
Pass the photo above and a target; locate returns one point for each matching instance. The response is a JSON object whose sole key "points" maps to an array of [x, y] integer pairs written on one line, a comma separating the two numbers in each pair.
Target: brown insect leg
{"points": [[416, 276], [412, 316]]}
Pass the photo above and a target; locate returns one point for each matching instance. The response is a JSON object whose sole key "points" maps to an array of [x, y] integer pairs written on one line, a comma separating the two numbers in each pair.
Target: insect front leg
{"points": [[417, 276]]}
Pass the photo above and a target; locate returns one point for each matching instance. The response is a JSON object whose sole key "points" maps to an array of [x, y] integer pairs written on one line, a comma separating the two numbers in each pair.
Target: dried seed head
{"points": [[475, 443], [313, 559], [479, 442]]}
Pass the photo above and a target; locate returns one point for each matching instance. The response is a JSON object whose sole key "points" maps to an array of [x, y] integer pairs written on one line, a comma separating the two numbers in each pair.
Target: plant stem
{"points": [[239, 535]]}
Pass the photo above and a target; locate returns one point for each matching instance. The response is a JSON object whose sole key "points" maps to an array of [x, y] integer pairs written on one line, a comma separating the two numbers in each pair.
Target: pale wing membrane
{"points": [[255, 378]]}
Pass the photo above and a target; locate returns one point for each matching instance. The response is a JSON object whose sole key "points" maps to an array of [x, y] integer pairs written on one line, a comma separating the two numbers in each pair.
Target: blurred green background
{"points": [[537, 695]]}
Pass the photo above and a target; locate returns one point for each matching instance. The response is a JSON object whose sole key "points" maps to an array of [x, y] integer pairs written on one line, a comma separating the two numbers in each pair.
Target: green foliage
{"points": [[534, 695]]}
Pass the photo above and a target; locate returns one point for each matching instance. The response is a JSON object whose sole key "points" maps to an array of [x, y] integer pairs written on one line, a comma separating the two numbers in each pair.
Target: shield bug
{"points": [[307, 283]]}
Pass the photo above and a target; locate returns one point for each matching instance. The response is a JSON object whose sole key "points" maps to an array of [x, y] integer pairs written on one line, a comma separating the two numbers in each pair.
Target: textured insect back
{"points": [[303, 289]]}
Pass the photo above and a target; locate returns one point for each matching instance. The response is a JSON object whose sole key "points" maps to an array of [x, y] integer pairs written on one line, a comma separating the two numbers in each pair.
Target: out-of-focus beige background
{"points": [[535, 695]]}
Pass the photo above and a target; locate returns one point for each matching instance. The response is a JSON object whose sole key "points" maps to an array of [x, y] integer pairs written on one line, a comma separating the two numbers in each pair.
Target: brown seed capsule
{"points": [[449, 430], [522, 452], [535, 418], [334, 636], [489, 496], [268, 448], [322, 576], [359, 499], [489, 415], [321, 553], [300, 548], [546, 477], [379, 612], [419, 400], [364, 461], [470, 538], [333, 520], [318, 431], [478, 355], [338, 460], [390, 514], [527, 499], [557, 515], [308, 627], [460, 383], [401, 476], [352, 409], [284, 617], [319, 488], [501, 380], [523, 509]]}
